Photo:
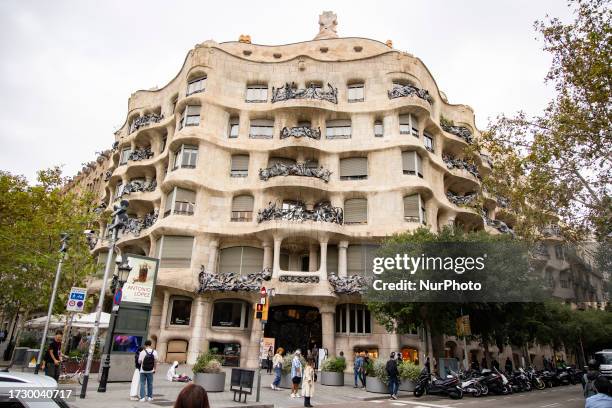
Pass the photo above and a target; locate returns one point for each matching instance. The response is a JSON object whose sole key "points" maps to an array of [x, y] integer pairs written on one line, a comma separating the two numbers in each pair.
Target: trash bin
{"points": [[31, 356]]}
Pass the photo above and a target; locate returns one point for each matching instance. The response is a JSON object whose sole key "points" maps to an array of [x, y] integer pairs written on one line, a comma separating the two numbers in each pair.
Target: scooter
{"points": [[469, 384], [430, 384], [496, 381], [534, 379]]}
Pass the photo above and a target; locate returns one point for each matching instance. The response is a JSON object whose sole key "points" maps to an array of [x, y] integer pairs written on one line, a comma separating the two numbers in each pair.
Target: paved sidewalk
{"points": [[165, 393]]}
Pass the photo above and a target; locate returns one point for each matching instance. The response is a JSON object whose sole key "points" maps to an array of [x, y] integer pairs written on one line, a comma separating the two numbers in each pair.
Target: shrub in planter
{"points": [[332, 371], [208, 373], [377, 378], [409, 373]]}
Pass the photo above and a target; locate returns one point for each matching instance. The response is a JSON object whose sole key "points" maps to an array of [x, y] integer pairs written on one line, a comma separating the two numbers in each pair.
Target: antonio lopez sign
{"points": [[140, 284]]}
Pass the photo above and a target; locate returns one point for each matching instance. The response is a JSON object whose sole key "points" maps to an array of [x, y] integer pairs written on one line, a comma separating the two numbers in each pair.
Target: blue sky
{"points": [[68, 67]]}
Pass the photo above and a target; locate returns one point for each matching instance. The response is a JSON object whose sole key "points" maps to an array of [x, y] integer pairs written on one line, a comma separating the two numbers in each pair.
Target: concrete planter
{"points": [[407, 385], [373, 384], [286, 381], [211, 382], [333, 378]]}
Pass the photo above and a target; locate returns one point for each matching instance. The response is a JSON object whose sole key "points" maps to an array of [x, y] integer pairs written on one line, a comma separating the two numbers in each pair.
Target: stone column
{"points": [[277, 248], [312, 258], [323, 268], [328, 328], [254, 342], [342, 246], [198, 342], [213, 248], [162, 342], [268, 255]]}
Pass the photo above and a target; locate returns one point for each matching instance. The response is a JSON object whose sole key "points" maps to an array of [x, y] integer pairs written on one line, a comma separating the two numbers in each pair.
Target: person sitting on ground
{"points": [[603, 398], [192, 396], [172, 375]]}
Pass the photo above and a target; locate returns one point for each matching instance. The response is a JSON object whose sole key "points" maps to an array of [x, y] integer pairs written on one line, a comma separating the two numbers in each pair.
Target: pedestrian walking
{"points": [[508, 366], [148, 363], [53, 356], [357, 366], [277, 363], [393, 374], [364, 368], [192, 396], [269, 358], [315, 356], [296, 374], [135, 384], [308, 382]]}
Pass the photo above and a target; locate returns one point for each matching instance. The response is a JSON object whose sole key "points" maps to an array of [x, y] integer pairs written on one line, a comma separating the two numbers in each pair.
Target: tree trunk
{"points": [[487, 356]]}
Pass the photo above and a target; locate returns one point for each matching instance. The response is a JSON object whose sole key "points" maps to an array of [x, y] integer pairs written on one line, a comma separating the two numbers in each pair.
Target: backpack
{"points": [[148, 362]]}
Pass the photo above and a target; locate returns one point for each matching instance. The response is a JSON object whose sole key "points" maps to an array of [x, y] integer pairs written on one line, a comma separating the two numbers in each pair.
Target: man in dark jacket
{"points": [[588, 379], [393, 374]]}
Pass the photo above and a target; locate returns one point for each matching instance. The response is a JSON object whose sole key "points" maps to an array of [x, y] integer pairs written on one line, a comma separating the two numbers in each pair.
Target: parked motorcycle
{"points": [[427, 383], [495, 381], [534, 379], [519, 381], [470, 383]]}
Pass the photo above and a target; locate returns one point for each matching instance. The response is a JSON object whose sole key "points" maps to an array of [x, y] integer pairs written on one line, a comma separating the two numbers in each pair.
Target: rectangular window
{"points": [[118, 190], [414, 209], [190, 116], [240, 165], [125, 155], [261, 129], [181, 312], [354, 168], [196, 85], [180, 201], [186, 157], [412, 164], [230, 314], [234, 128], [338, 129], [356, 211], [378, 129], [353, 319], [428, 142], [256, 93], [408, 125], [559, 252], [242, 208], [356, 93], [176, 251]]}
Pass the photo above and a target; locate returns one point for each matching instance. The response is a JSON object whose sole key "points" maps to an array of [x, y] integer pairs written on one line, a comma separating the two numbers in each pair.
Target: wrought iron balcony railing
{"points": [[321, 212], [458, 199], [551, 231], [400, 91], [138, 186], [143, 153], [301, 131], [108, 174], [295, 169], [349, 285], [136, 225], [498, 225], [460, 131], [454, 163], [145, 120], [289, 91], [231, 282]]}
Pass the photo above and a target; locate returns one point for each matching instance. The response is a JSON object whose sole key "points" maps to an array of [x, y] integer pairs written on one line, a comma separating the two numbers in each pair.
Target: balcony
{"points": [[299, 276], [461, 200], [138, 186], [136, 225], [143, 153], [145, 120], [301, 131], [290, 91], [459, 131], [400, 91], [498, 225], [231, 282], [322, 212], [303, 169], [454, 163]]}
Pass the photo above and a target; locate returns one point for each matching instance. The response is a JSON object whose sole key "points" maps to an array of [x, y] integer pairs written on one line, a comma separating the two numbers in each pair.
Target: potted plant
{"points": [[377, 379], [286, 370], [332, 371], [409, 374], [208, 373]]}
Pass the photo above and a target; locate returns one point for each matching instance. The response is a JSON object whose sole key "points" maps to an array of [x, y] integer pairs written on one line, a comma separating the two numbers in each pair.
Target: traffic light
{"points": [[261, 307]]}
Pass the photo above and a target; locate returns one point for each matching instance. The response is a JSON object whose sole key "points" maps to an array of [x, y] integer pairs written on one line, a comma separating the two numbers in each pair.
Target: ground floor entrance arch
{"points": [[294, 327]]}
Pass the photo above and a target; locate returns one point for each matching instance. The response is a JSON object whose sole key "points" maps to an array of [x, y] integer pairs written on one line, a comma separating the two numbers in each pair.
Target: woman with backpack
{"points": [[135, 385]]}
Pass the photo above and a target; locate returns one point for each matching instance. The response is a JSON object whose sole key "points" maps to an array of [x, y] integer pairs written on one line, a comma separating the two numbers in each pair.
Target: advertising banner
{"points": [[267, 344], [141, 280]]}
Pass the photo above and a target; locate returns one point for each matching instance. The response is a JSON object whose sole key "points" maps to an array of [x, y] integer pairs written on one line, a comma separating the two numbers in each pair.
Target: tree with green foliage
{"points": [[558, 165], [32, 218]]}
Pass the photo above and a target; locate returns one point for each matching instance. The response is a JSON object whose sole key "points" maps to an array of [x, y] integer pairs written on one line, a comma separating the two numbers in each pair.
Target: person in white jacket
{"points": [[308, 382], [172, 375]]}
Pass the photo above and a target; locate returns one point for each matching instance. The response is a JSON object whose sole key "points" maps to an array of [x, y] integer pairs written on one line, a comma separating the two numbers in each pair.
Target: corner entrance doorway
{"points": [[294, 327]]}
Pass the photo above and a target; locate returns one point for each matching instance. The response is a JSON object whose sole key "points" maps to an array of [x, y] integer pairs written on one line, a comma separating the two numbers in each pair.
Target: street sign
{"points": [[117, 297], [76, 300]]}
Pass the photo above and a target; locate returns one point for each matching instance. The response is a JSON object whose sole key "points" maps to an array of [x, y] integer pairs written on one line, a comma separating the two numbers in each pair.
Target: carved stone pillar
{"points": [[328, 328], [323, 268], [342, 246], [162, 342], [277, 249], [198, 342], [268, 255], [312, 258], [213, 249]]}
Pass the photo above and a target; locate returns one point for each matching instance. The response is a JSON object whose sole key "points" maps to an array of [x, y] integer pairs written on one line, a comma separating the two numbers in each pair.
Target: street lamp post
{"points": [[63, 249], [119, 219], [123, 271]]}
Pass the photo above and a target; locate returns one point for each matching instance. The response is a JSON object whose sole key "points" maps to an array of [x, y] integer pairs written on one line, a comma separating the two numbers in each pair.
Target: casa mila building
{"points": [[285, 166]]}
